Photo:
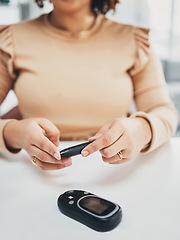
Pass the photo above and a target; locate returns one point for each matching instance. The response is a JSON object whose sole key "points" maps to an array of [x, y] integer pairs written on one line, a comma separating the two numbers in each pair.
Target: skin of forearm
{"points": [[145, 130], [11, 135]]}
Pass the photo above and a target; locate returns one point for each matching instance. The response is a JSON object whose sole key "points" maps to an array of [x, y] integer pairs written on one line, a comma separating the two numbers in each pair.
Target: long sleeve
{"points": [[150, 92], [6, 73]]}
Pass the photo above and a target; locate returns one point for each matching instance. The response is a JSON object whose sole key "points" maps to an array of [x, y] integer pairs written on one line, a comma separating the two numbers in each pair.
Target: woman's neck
{"points": [[74, 22]]}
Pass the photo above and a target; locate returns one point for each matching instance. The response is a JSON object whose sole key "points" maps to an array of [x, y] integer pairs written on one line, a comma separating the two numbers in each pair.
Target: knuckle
{"points": [[107, 139], [41, 145], [51, 151], [56, 132], [48, 146], [27, 147], [41, 156], [93, 147], [107, 153]]}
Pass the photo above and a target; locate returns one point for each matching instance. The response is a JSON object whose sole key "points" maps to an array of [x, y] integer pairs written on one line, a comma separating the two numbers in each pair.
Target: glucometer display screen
{"points": [[96, 205]]}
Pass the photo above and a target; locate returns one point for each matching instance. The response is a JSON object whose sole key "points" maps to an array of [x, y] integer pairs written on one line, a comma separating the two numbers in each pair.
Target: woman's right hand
{"points": [[40, 138]]}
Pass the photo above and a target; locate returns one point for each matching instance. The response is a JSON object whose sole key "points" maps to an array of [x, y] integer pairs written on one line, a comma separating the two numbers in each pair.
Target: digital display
{"points": [[97, 206]]}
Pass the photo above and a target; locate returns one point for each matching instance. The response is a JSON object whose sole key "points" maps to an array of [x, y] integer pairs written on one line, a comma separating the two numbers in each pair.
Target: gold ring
{"points": [[120, 156], [34, 161]]}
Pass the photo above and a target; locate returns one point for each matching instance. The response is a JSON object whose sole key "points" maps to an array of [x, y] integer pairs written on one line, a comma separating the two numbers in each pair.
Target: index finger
{"points": [[46, 145], [105, 140]]}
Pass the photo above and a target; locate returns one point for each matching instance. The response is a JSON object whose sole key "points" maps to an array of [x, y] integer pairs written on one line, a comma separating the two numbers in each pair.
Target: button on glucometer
{"points": [[71, 202], [70, 197]]}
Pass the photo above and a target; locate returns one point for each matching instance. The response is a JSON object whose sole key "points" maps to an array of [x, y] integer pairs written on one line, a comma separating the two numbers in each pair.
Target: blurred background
{"points": [[161, 16]]}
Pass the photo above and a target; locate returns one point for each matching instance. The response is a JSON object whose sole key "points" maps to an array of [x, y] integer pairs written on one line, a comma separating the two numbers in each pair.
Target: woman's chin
{"points": [[70, 6]]}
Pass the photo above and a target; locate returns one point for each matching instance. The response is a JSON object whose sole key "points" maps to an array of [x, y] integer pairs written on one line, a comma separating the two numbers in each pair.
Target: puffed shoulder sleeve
{"points": [[141, 48], [7, 74], [150, 91], [6, 49]]}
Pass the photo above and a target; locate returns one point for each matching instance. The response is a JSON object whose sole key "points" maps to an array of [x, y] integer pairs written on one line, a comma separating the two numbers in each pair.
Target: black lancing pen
{"points": [[74, 150]]}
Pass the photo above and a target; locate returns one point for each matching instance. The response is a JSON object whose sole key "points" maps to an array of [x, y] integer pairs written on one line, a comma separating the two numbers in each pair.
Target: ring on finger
{"points": [[120, 156], [34, 161]]}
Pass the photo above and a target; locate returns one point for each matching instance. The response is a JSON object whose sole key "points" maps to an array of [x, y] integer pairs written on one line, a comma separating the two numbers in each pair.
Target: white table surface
{"points": [[147, 188]]}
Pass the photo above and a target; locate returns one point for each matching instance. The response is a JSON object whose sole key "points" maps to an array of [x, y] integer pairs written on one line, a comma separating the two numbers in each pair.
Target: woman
{"points": [[76, 72]]}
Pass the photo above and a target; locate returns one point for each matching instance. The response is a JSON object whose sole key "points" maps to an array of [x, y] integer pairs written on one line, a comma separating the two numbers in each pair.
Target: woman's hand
{"points": [[40, 138], [125, 135]]}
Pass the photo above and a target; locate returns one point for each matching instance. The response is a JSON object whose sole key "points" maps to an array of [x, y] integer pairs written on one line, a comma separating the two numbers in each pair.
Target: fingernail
{"points": [[85, 153], [57, 156]]}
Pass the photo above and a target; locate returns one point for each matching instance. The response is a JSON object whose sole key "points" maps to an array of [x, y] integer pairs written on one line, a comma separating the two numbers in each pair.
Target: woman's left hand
{"points": [[126, 136]]}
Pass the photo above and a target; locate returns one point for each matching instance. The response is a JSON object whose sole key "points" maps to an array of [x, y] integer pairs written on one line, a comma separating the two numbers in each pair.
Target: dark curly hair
{"points": [[97, 6]]}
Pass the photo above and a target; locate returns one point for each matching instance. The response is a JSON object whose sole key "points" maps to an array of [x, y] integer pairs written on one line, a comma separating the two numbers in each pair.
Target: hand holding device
{"points": [[39, 137], [120, 140]]}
